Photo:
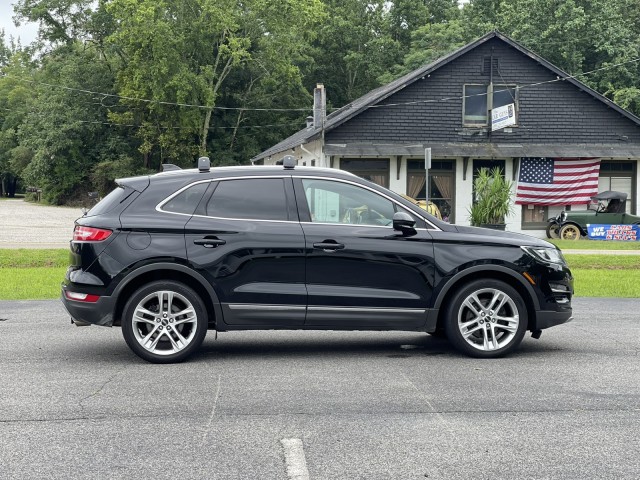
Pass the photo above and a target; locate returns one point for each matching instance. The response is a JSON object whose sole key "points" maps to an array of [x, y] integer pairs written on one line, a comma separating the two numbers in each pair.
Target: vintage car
{"points": [[607, 208]]}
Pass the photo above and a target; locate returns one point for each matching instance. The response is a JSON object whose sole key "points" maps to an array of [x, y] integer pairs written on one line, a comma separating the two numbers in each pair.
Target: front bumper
{"points": [[548, 318]]}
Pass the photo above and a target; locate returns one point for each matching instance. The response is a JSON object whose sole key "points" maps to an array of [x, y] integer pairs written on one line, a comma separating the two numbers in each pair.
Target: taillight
{"points": [[90, 234], [81, 297]]}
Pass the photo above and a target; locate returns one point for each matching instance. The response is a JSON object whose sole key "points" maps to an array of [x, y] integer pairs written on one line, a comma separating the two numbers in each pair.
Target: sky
{"points": [[27, 33]]}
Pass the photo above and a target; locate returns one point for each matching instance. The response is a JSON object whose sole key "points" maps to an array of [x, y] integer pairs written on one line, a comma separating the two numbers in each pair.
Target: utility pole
{"points": [[427, 166]]}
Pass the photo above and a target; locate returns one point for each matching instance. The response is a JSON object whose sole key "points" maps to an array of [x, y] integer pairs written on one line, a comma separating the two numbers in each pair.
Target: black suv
{"points": [[169, 256]]}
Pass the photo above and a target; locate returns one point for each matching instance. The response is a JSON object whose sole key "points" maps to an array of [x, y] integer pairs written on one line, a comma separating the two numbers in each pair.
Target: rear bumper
{"points": [[96, 313]]}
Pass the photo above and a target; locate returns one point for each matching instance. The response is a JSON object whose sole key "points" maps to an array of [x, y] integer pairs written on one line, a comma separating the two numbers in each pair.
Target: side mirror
{"points": [[403, 222]]}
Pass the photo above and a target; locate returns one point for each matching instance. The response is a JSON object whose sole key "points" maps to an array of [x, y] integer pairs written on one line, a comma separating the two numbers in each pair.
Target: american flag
{"points": [[557, 181]]}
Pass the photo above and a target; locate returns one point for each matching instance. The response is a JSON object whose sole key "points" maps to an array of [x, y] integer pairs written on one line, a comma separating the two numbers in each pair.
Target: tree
{"points": [[184, 52], [67, 128]]}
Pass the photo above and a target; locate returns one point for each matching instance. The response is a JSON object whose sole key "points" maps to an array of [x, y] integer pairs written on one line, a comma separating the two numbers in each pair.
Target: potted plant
{"points": [[493, 198]]}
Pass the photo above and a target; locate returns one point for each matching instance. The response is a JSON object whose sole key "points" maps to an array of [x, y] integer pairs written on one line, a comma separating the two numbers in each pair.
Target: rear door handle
{"points": [[329, 246], [209, 242]]}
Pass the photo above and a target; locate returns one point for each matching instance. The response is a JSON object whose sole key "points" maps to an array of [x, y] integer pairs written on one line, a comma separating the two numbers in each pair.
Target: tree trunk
{"points": [[205, 133]]}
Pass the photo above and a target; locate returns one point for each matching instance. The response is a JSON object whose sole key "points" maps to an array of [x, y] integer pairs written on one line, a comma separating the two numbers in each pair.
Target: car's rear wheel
{"points": [[553, 230], [570, 232], [486, 319], [164, 322]]}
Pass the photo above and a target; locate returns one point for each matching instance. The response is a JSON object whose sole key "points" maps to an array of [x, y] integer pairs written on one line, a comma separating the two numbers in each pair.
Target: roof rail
{"points": [[169, 167]]}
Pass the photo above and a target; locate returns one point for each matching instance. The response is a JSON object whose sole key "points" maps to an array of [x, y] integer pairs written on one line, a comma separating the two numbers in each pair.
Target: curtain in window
{"points": [[444, 184], [416, 184], [379, 179]]}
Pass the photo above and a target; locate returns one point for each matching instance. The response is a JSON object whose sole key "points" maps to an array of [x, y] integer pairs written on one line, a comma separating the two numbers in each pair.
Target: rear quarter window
{"points": [[187, 200]]}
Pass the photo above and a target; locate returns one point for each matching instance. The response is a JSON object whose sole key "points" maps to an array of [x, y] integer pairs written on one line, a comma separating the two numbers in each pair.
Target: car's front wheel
{"points": [[486, 319], [570, 232], [164, 322]]}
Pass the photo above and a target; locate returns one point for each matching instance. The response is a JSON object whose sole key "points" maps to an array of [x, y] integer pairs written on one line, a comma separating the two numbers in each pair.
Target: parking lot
{"points": [[76, 403], [31, 225]]}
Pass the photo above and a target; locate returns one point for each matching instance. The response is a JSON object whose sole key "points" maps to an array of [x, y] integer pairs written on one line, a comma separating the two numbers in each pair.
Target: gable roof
{"points": [[379, 94]]}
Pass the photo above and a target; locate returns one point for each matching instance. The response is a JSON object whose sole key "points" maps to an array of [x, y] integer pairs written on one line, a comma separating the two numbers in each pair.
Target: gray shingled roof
{"points": [[379, 94]]}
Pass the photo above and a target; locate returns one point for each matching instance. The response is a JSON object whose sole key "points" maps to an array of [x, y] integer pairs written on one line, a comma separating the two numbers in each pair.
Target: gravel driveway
{"points": [[28, 225]]}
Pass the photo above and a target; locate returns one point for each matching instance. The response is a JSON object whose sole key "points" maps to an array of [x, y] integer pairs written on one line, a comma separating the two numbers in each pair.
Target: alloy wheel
{"points": [[164, 322], [488, 319]]}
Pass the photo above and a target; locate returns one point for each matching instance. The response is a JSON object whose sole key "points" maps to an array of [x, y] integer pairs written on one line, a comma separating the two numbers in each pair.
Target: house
{"points": [[445, 106]]}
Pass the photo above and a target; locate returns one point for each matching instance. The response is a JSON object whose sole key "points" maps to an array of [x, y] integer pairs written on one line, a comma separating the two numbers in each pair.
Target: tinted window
{"points": [[251, 198], [186, 201], [115, 198], [336, 202]]}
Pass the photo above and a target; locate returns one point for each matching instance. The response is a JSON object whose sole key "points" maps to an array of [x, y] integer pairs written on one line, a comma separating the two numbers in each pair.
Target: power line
{"points": [[416, 102], [159, 102]]}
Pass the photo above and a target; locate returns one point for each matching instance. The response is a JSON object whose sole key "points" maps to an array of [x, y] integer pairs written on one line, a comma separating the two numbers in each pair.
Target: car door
{"points": [[246, 240], [359, 271]]}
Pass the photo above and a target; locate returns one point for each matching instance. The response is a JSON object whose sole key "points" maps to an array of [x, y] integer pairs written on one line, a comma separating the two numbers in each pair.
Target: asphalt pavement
{"points": [[76, 403]]}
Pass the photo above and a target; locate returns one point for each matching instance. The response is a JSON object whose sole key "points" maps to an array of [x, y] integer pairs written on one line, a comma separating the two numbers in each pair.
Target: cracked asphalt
{"points": [[75, 403]]}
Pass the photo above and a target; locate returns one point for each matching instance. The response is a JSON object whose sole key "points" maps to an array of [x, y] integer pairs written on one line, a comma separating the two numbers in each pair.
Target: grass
{"points": [[31, 283], [27, 274], [606, 283], [602, 262], [594, 245], [36, 274], [28, 258]]}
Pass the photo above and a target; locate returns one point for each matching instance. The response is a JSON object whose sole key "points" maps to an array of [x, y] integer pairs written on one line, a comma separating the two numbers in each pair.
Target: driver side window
{"points": [[337, 202]]}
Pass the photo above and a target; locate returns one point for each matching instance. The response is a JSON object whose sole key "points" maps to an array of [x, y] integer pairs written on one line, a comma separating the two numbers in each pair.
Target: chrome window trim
{"points": [[284, 176], [210, 180], [329, 179]]}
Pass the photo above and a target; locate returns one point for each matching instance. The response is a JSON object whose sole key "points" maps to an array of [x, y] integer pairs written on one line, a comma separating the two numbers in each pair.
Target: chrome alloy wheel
{"points": [[488, 319], [164, 322]]}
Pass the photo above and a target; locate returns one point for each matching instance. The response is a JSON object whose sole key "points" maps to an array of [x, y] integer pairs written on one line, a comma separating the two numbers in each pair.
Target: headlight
{"points": [[546, 255], [563, 216]]}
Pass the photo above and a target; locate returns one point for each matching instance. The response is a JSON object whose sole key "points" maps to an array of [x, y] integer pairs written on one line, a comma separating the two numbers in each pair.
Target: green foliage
{"points": [[493, 198], [239, 64], [105, 172]]}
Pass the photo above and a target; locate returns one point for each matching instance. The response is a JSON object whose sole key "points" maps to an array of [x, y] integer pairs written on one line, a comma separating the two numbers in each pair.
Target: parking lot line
{"points": [[294, 459]]}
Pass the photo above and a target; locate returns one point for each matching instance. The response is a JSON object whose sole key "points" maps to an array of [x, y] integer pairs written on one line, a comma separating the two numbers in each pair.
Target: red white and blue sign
{"points": [[625, 233]]}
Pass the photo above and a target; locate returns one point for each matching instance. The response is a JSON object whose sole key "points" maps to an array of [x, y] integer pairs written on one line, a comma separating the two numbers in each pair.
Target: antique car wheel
{"points": [[570, 232], [553, 230], [164, 322], [486, 319]]}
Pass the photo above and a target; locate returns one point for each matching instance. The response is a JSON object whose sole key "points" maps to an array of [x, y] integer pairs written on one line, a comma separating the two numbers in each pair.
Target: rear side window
{"points": [[250, 198], [187, 200], [111, 201]]}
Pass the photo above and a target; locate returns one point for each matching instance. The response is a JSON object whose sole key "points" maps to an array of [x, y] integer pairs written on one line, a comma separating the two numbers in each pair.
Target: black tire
{"points": [[553, 230], [167, 333], [506, 325]]}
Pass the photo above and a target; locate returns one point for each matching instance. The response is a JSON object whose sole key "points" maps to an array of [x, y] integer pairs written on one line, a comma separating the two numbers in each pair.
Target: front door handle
{"points": [[329, 245], [210, 242]]}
